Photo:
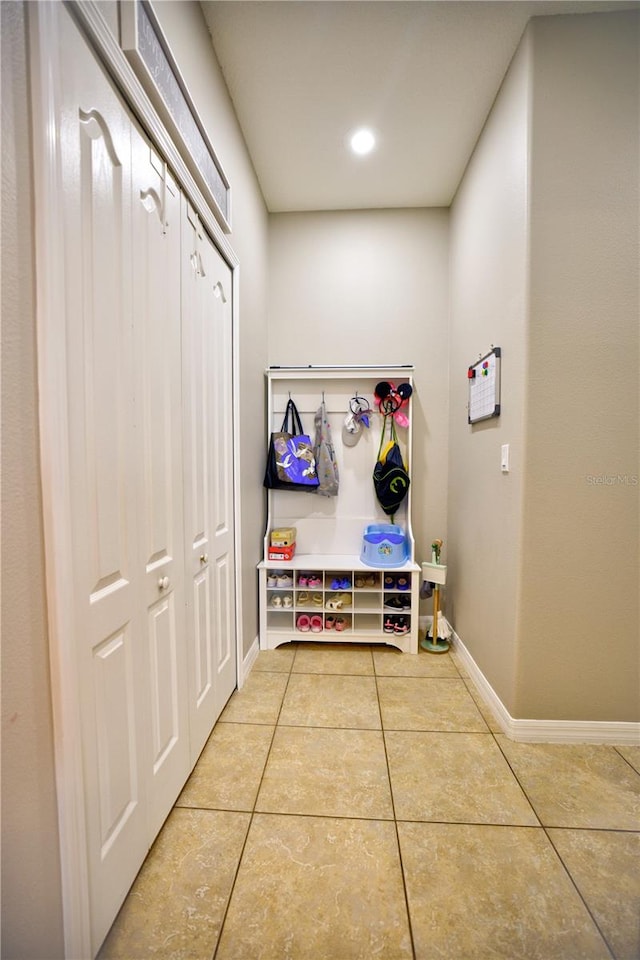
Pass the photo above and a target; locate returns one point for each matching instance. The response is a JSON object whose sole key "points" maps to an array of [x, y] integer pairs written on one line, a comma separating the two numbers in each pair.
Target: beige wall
{"points": [[488, 277], [579, 654], [544, 262], [31, 898], [371, 287]]}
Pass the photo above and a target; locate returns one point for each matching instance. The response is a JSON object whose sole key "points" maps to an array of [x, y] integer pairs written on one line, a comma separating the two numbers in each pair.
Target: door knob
{"points": [[163, 583], [204, 557]]}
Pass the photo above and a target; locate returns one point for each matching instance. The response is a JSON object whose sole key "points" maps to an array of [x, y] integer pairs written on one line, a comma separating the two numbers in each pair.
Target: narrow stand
{"points": [[435, 573]]}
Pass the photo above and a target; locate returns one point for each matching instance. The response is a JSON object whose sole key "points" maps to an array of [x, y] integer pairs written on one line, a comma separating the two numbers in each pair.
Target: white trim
{"points": [[54, 474], [237, 472], [545, 731], [180, 115], [249, 660], [87, 14]]}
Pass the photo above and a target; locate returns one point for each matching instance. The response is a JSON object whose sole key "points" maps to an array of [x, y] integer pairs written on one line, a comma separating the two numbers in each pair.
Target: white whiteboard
{"points": [[484, 387]]}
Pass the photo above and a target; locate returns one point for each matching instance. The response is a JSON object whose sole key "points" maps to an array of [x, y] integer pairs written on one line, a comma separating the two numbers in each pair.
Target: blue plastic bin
{"points": [[384, 545]]}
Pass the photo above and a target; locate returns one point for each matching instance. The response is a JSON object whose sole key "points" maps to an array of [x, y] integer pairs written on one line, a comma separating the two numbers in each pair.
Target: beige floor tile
{"points": [[393, 663], [317, 889], [458, 661], [331, 701], [605, 866], [177, 903], [259, 701], [333, 658], [488, 892], [332, 773], [487, 713], [576, 785], [279, 660], [428, 704], [457, 777], [631, 755], [227, 775]]}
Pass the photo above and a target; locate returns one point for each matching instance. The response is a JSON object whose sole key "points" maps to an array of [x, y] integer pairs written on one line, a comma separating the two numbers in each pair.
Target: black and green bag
{"points": [[390, 478]]}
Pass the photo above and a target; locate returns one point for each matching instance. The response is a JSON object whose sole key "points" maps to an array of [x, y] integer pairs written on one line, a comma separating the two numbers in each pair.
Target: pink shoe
{"points": [[303, 623], [316, 624], [314, 582], [340, 623], [329, 623]]}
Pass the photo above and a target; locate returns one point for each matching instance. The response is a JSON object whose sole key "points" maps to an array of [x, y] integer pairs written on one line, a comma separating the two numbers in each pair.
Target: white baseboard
{"points": [[545, 731], [248, 662]]}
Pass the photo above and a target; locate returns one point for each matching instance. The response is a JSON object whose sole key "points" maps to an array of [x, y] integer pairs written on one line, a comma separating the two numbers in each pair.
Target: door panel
{"points": [[96, 172], [207, 393], [156, 298], [117, 754], [150, 473]]}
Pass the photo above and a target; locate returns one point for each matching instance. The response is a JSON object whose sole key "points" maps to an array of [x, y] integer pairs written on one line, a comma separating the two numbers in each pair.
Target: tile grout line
{"points": [[252, 812], [395, 820], [577, 889], [617, 750], [545, 828]]}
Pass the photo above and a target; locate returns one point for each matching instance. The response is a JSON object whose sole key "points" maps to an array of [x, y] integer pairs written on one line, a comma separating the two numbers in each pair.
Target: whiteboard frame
{"points": [[496, 353]]}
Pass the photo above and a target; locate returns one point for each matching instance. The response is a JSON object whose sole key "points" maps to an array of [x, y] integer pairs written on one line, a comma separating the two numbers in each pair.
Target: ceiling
{"points": [[422, 74]]}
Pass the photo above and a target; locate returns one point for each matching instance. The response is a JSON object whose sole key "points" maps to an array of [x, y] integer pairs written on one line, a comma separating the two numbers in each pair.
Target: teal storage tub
{"points": [[384, 545]]}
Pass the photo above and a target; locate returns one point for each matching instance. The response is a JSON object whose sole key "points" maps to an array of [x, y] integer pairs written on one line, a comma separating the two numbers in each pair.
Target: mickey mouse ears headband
{"points": [[390, 398]]}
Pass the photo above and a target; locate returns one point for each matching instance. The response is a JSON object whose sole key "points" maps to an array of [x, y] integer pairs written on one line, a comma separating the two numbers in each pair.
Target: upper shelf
{"points": [[345, 371]]}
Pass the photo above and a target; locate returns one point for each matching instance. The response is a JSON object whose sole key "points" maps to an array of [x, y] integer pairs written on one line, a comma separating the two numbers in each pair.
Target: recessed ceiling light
{"points": [[362, 141]]}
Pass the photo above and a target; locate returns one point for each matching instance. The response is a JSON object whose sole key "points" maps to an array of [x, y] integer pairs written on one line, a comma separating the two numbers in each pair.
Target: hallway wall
{"points": [[544, 263], [31, 924], [579, 654], [370, 287], [488, 277]]}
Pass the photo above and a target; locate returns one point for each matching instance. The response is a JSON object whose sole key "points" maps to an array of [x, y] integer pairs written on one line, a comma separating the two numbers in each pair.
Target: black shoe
{"points": [[394, 603]]}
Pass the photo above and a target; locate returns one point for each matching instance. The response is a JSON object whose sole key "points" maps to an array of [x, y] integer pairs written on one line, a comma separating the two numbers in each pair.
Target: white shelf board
{"points": [[333, 561]]}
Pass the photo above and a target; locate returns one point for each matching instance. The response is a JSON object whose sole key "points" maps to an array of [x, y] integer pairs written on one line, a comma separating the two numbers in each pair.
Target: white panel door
{"points": [[110, 635], [158, 423], [208, 444]]}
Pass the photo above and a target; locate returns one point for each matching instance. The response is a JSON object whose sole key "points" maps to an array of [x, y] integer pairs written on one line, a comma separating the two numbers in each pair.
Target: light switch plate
{"points": [[504, 458]]}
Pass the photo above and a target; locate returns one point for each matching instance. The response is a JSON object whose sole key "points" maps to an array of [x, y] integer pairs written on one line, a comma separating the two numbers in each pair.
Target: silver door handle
{"points": [[163, 583]]}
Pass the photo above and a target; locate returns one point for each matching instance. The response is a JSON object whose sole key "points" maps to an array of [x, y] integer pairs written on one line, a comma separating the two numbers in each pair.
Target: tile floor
{"points": [[356, 802]]}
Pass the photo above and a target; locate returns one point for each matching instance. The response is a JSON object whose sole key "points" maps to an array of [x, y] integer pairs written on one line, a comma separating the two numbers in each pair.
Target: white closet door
{"points": [[156, 290], [110, 634], [209, 527]]}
